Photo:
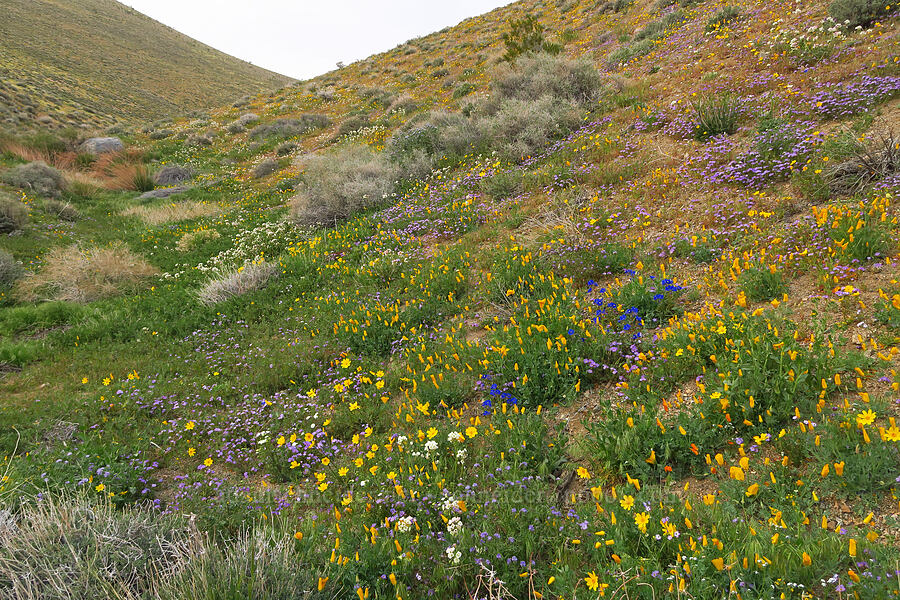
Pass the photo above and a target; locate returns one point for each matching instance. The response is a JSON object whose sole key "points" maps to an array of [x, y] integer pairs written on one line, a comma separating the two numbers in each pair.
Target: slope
{"points": [[95, 61], [621, 321]]}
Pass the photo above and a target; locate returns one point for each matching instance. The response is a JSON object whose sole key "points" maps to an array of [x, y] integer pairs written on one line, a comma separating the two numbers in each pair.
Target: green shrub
{"points": [[13, 215], [526, 35], [61, 209], [715, 115], [463, 89], [761, 283], [502, 185], [726, 15], [338, 184], [858, 13]]}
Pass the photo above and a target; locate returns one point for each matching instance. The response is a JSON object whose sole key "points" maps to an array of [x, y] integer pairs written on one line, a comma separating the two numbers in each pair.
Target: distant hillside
{"points": [[72, 62]]}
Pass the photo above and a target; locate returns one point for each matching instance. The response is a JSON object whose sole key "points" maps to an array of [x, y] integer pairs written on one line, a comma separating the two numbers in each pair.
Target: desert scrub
{"points": [[85, 275], [10, 269], [194, 239], [61, 209], [716, 114], [286, 128], [37, 177], [858, 13], [243, 280], [13, 215], [339, 184]]}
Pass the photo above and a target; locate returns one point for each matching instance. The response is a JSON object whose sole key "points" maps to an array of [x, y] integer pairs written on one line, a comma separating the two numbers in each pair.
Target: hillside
{"points": [[615, 316], [94, 62]]}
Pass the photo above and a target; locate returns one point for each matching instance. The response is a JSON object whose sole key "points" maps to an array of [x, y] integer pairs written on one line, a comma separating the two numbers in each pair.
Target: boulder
{"points": [[163, 193], [102, 145]]}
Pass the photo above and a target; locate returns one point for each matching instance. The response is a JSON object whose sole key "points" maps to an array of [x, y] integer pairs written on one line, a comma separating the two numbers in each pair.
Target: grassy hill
{"points": [[620, 318], [97, 61]]}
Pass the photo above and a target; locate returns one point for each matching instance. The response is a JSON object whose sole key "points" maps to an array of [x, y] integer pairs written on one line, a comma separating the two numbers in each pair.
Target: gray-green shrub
{"points": [[10, 269], [13, 215], [285, 128], [38, 177], [338, 184]]}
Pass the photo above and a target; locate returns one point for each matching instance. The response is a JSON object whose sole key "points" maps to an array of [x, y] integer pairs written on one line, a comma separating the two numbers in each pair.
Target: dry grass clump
{"points": [[129, 176], [171, 213], [77, 275], [246, 279], [193, 239], [59, 548]]}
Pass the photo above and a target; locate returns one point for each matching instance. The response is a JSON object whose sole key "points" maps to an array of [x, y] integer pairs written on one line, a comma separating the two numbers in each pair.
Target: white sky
{"points": [[304, 38]]}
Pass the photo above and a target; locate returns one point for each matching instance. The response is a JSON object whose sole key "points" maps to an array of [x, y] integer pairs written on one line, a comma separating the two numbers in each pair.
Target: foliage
{"points": [[526, 35]]}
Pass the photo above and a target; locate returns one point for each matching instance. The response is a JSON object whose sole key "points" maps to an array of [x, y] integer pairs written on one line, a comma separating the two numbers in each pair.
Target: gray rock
{"points": [[172, 174], [163, 193], [102, 145]]}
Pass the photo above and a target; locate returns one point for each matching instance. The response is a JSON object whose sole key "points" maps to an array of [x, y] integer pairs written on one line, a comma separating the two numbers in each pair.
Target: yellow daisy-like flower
{"points": [[471, 432], [592, 581], [583, 473], [641, 520], [192, 451], [866, 417], [627, 502], [84, 380], [100, 487], [892, 434], [190, 425], [431, 432], [208, 462], [345, 363]]}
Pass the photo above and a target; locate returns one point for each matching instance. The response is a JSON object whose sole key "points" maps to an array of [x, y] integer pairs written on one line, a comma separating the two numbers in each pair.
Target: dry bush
{"points": [[237, 282], [870, 163], [170, 213], [78, 275]]}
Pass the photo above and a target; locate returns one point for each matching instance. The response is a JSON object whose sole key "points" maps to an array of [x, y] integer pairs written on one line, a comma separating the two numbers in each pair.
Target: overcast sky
{"points": [[306, 38]]}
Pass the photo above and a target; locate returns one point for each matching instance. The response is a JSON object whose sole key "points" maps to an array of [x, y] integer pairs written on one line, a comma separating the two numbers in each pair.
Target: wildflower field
{"points": [[613, 314]]}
